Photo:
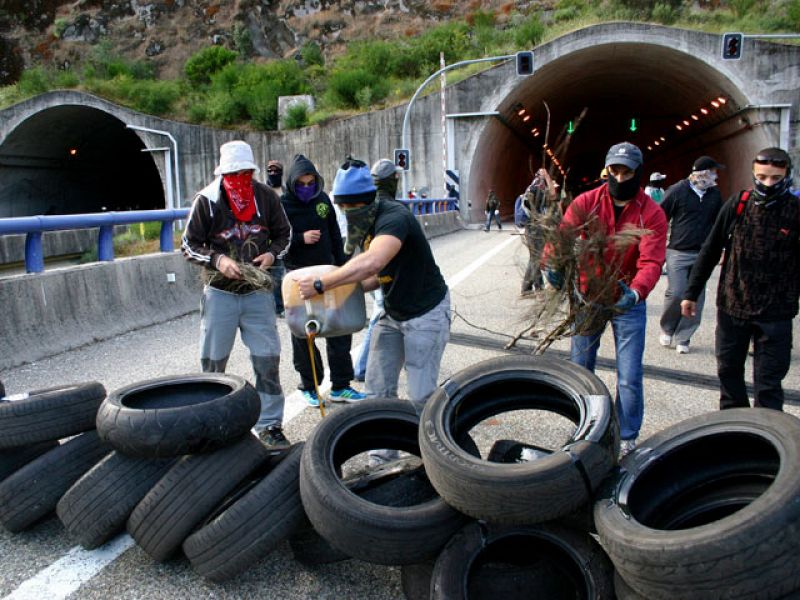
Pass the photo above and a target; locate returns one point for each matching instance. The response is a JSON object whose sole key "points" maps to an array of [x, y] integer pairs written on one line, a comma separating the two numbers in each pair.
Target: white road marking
{"points": [[78, 566], [70, 571]]}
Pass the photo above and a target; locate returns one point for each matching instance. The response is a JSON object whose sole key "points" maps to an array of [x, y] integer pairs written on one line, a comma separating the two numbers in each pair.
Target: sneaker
{"points": [[347, 394], [665, 339], [280, 314], [273, 438], [626, 447], [311, 398], [682, 348]]}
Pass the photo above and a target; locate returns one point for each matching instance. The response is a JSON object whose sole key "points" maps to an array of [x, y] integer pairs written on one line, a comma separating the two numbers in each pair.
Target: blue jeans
{"points": [[629, 336], [377, 309], [492, 215]]}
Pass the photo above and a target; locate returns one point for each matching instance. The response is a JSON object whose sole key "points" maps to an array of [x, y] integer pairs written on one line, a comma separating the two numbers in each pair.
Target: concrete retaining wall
{"points": [[58, 310], [51, 312]]}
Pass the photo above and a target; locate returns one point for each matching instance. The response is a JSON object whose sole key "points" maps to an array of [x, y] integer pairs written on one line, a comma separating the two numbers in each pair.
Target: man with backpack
{"points": [[759, 285]]}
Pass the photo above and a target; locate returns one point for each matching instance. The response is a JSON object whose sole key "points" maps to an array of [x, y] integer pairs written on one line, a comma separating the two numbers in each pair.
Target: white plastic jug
{"points": [[336, 312]]}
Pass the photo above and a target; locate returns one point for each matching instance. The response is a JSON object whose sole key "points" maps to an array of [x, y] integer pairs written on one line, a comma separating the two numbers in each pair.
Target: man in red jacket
{"points": [[621, 204]]}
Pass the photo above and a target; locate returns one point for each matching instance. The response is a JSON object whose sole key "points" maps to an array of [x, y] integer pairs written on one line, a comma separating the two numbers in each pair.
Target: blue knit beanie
{"points": [[353, 183]]}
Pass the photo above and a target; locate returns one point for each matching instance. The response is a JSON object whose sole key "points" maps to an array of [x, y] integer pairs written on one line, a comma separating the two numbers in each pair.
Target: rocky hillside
{"points": [[58, 33]]}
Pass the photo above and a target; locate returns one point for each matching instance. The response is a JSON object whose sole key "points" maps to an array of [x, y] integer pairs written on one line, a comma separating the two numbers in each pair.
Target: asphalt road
{"points": [[43, 563]]}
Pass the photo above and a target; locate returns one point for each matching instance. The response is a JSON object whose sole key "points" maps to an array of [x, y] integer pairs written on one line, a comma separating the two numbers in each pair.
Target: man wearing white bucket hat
{"points": [[237, 221]]}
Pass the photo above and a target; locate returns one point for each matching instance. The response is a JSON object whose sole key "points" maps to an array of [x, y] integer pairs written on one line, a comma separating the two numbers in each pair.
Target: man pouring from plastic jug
{"points": [[395, 255]]}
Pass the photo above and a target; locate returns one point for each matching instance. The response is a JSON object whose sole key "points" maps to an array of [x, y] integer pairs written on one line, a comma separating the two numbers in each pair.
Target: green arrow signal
{"points": [[571, 128], [633, 125]]}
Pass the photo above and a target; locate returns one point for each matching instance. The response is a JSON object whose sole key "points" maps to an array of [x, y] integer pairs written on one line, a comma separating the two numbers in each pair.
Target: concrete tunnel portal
{"points": [[602, 90], [73, 159]]}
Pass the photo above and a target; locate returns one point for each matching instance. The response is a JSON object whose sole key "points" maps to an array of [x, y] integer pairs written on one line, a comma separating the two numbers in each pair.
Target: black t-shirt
{"points": [[411, 283]]}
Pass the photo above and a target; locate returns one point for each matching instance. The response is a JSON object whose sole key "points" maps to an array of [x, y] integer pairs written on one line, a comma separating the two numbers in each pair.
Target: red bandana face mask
{"points": [[239, 187]]}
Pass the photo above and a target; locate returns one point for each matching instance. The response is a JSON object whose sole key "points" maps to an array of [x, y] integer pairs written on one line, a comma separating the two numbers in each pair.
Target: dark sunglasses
{"points": [[775, 162]]}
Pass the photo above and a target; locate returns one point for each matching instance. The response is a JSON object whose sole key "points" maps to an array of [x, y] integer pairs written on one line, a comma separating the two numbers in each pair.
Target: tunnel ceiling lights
{"points": [[716, 103], [73, 151]]}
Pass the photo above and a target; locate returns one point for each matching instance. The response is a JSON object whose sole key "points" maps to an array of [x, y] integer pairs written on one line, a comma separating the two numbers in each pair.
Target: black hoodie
{"points": [[317, 213]]}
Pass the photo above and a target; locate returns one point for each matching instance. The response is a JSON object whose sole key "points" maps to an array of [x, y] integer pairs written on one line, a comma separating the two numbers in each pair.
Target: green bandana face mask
{"points": [[359, 221]]}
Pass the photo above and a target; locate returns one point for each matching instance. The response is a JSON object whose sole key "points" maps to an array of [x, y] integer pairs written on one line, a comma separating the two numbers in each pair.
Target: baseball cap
{"points": [[706, 162], [626, 154], [384, 168], [657, 176]]}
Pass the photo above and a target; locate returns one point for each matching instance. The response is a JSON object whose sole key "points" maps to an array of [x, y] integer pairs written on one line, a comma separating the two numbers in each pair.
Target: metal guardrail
{"points": [[430, 206], [34, 226]]}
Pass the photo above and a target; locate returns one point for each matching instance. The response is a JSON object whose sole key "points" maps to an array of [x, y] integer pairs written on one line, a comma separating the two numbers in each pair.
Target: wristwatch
{"points": [[318, 286]]}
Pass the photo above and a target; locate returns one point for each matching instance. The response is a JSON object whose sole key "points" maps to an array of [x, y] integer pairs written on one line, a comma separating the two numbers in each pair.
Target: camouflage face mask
{"points": [[359, 221]]}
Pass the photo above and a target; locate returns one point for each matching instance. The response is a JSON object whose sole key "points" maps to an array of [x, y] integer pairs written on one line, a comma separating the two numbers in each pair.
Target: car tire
{"points": [[708, 508], [172, 416], [360, 528], [252, 526], [530, 492], [189, 492], [513, 561], [13, 459], [50, 414], [97, 506], [33, 491]]}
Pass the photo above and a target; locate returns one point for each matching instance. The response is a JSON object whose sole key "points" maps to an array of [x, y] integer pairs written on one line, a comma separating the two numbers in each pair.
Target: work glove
{"points": [[627, 300], [554, 278]]}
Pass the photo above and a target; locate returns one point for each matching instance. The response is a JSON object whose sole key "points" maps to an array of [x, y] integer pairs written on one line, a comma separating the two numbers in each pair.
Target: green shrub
{"points": [[66, 79], [665, 13], [793, 14], [296, 116], [741, 8], [152, 230], [242, 40], [34, 81], [59, 26], [104, 64], [530, 32], [482, 18], [378, 56], [153, 97], [206, 62], [345, 87], [312, 54]]}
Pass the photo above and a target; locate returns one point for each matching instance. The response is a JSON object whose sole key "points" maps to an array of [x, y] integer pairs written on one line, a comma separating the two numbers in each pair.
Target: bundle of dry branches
{"points": [[581, 306], [253, 278]]}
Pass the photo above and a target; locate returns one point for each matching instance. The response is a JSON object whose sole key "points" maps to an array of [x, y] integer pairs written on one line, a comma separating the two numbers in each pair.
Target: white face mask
{"points": [[703, 180]]}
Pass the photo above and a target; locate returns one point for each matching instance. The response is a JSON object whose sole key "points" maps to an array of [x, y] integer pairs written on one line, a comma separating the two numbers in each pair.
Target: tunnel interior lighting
{"points": [[704, 110], [686, 122], [663, 139], [521, 112], [722, 100], [679, 127], [715, 104], [73, 151], [526, 118], [657, 143], [695, 118], [649, 147]]}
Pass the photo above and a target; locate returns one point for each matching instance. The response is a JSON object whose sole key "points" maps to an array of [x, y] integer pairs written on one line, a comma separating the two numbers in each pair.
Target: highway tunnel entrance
{"points": [[672, 105], [74, 159]]}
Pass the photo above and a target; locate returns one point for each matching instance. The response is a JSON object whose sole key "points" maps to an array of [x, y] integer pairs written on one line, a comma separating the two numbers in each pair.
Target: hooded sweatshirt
{"points": [[317, 213]]}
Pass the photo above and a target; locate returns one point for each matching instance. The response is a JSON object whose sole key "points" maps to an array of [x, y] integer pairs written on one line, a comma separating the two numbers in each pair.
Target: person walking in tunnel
{"points": [[492, 210], [414, 328], [238, 220], [655, 188], [540, 197], [691, 206], [621, 204], [316, 240], [759, 283], [275, 183]]}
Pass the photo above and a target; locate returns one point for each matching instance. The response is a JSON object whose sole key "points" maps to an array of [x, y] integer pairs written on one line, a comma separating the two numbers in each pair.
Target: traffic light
{"points": [[732, 46], [402, 158], [525, 63]]}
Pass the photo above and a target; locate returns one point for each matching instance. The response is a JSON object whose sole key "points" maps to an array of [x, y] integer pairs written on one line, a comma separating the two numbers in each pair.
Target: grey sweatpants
{"points": [[416, 344], [672, 322], [221, 314]]}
